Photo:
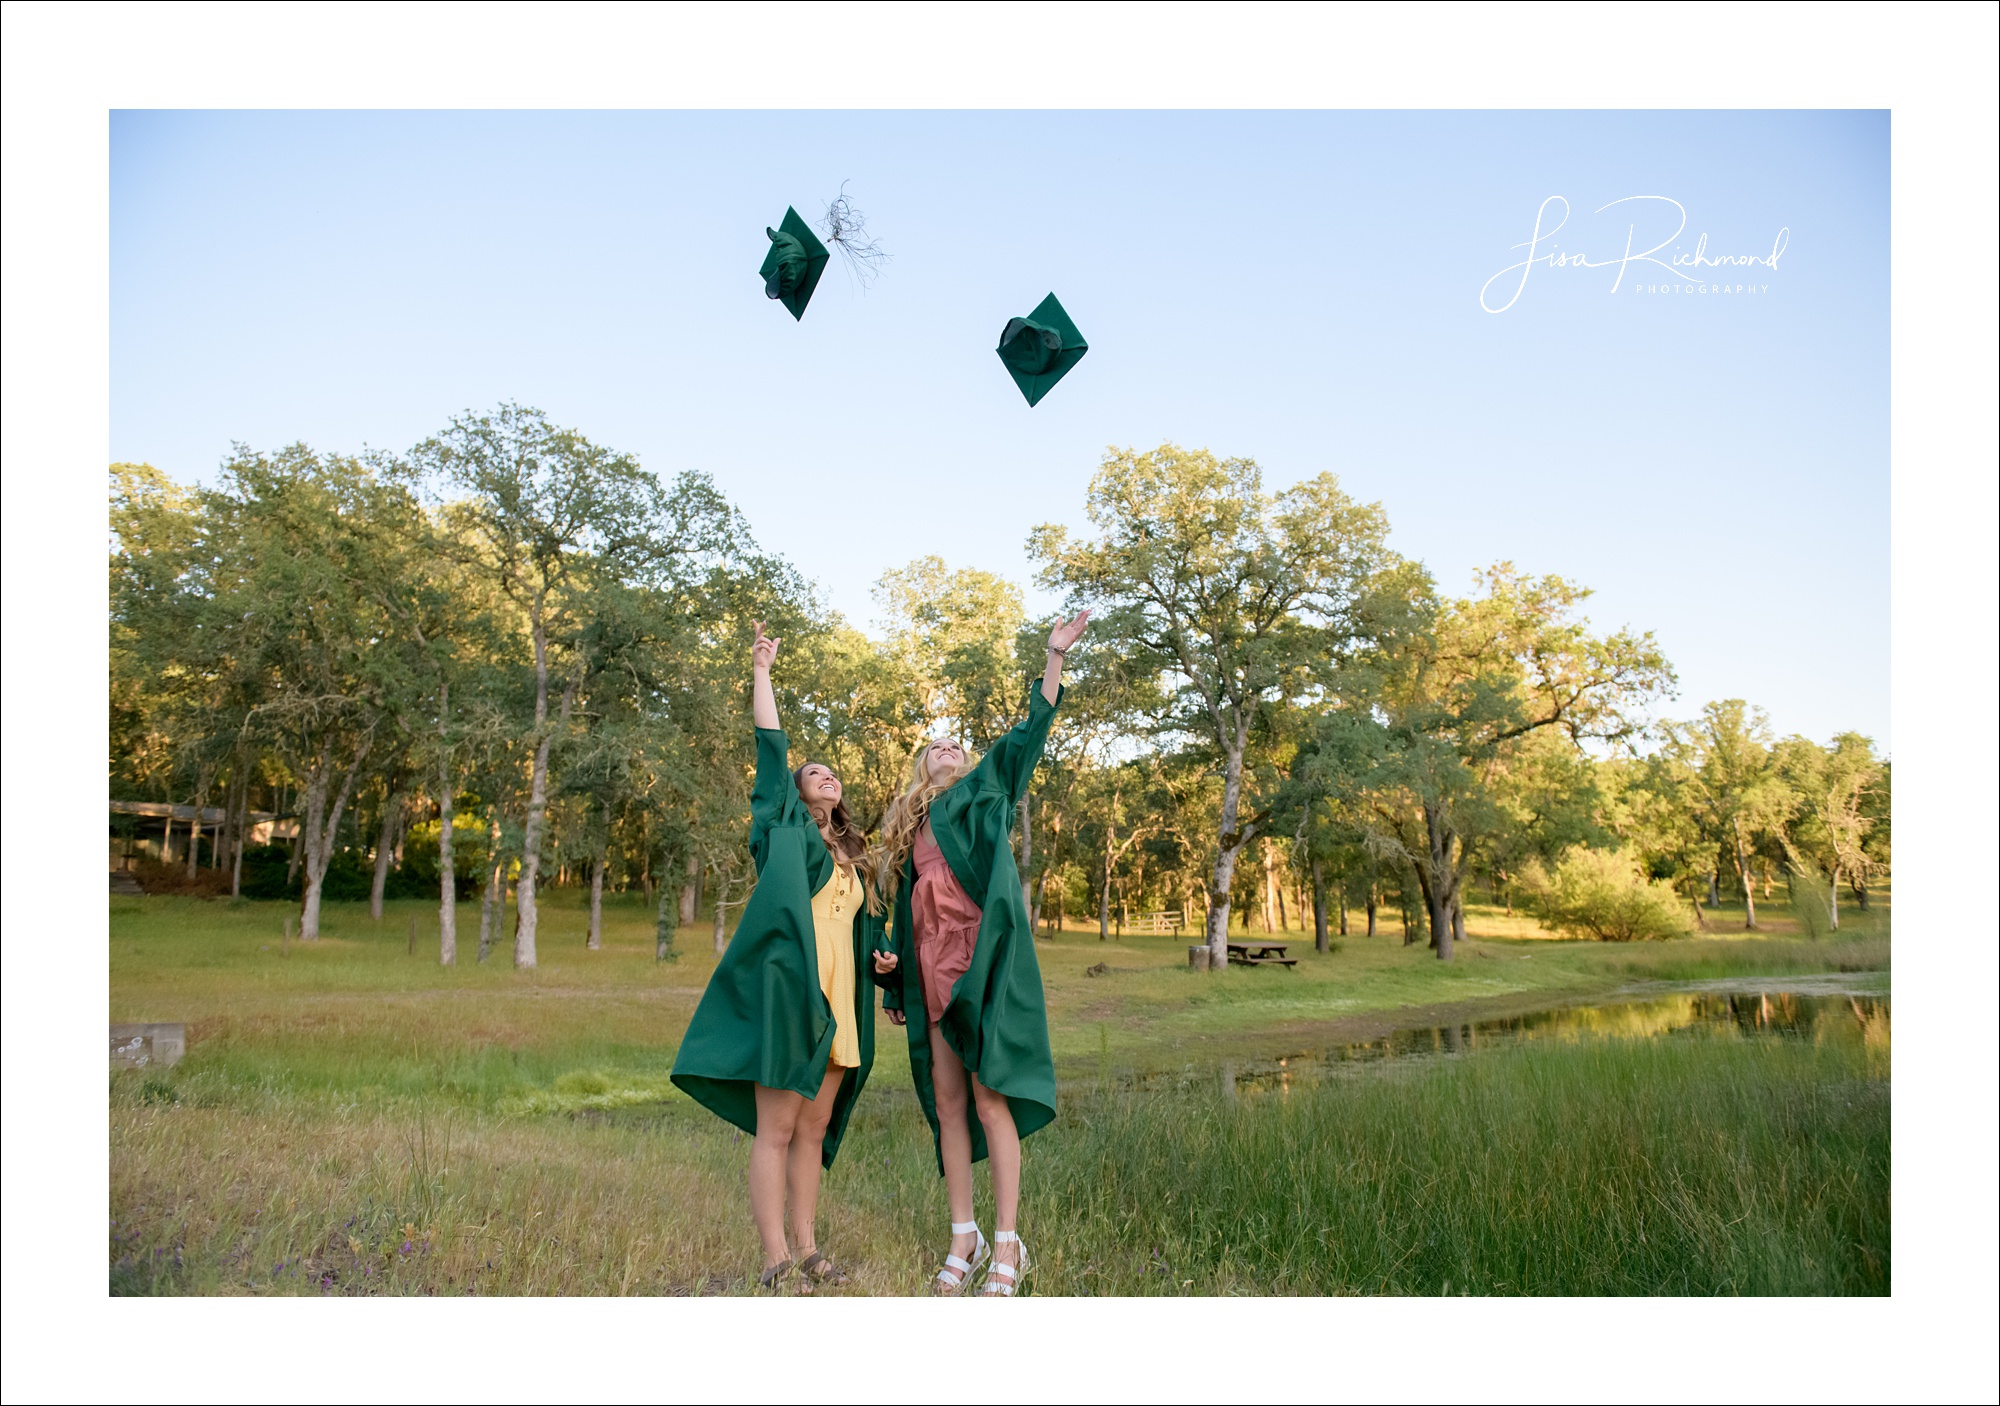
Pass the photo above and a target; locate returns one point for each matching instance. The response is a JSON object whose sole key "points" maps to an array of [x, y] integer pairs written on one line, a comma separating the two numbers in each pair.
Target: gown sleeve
{"points": [[1010, 765], [881, 940], [773, 797]]}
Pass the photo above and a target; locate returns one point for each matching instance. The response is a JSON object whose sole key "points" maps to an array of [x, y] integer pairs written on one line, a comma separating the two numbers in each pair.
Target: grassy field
{"points": [[353, 1119]]}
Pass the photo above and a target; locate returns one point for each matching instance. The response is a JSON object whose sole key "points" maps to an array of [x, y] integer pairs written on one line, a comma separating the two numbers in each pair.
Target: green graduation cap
{"points": [[791, 270], [1039, 349]]}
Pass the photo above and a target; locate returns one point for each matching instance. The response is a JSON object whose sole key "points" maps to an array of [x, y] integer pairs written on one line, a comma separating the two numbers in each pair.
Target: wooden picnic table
{"points": [[1260, 954]]}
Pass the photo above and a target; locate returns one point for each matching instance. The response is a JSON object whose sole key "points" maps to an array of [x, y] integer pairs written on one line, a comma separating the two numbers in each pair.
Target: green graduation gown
{"points": [[764, 1019], [996, 1021]]}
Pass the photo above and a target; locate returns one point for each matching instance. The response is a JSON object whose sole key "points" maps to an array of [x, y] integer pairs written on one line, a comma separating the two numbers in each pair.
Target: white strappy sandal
{"points": [[997, 1287], [957, 1272]]}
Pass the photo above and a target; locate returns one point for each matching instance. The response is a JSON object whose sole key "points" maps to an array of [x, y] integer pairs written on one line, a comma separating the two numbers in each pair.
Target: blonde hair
{"points": [[909, 812]]}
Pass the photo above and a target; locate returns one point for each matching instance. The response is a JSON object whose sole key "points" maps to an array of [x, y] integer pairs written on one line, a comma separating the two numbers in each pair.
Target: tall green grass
{"points": [[1689, 1165], [1677, 1166]]}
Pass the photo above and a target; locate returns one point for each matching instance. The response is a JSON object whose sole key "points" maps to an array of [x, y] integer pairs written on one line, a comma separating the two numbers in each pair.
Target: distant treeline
{"points": [[510, 657]]}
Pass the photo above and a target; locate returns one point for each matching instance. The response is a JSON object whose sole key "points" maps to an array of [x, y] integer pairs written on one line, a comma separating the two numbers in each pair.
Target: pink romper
{"points": [[946, 923]]}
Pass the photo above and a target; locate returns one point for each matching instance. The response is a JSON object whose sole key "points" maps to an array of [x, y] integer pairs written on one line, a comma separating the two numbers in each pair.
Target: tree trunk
{"points": [[538, 798], [1429, 904], [1274, 887], [721, 933], [595, 941], [385, 851], [447, 877], [294, 846], [242, 829], [489, 906], [1372, 904], [1749, 882], [1104, 898], [194, 828], [1319, 909], [1104, 891], [1833, 900], [1714, 895], [1229, 844], [236, 858], [664, 930], [691, 892], [322, 825], [1264, 909], [218, 853], [1458, 916], [1441, 886]]}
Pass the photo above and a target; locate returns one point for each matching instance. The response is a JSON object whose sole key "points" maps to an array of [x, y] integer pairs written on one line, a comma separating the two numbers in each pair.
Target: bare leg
{"points": [[802, 1166], [954, 1138], [1003, 1158], [777, 1115]]}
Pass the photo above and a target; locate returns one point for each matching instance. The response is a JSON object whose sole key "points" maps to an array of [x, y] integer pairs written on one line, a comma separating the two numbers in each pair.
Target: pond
{"points": [[1843, 1008]]}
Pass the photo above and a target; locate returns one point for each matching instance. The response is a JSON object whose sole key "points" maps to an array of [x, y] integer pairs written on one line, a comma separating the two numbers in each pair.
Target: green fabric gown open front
{"points": [[763, 1019], [996, 1021]]}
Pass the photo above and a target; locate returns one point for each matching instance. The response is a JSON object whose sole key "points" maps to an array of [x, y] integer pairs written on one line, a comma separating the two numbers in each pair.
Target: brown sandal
{"points": [[772, 1277], [822, 1270]]}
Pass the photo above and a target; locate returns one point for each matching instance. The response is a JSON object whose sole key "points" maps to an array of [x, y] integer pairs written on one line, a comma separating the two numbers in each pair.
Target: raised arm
{"points": [[1011, 762], [1065, 634], [772, 795], [763, 702]]}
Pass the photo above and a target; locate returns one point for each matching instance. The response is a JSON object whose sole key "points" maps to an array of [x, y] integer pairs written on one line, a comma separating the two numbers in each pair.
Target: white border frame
{"points": [[65, 67]]}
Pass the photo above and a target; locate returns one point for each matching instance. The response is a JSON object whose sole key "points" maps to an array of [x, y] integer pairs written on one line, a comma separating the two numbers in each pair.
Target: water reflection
{"points": [[1756, 1015]]}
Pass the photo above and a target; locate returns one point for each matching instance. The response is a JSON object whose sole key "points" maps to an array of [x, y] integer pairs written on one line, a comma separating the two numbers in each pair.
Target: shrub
{"points": [[264, 872], [155, 877], [1602, 894]]}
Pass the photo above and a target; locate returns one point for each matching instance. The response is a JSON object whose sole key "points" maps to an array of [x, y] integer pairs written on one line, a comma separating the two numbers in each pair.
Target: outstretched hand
{"points": [[1068, 632], [763, 649]]}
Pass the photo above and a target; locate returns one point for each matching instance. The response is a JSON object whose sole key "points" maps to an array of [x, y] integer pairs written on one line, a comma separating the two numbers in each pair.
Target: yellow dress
{"points": [[833, 932]]}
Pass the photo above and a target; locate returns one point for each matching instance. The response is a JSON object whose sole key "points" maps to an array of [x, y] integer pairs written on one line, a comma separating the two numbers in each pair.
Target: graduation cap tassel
{"points": [[847, 230]]}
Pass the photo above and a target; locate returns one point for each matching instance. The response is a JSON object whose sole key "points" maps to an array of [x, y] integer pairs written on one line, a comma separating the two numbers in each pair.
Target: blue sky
{"points": [[1299, 288]]}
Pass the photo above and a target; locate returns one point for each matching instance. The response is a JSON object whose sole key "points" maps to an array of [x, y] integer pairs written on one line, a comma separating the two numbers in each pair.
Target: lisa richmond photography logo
{"points": [[1647, 263]]}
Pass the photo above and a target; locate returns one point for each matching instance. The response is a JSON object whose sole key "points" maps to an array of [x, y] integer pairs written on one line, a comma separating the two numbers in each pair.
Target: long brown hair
{"points": [[909, 812], [844, 838]]}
